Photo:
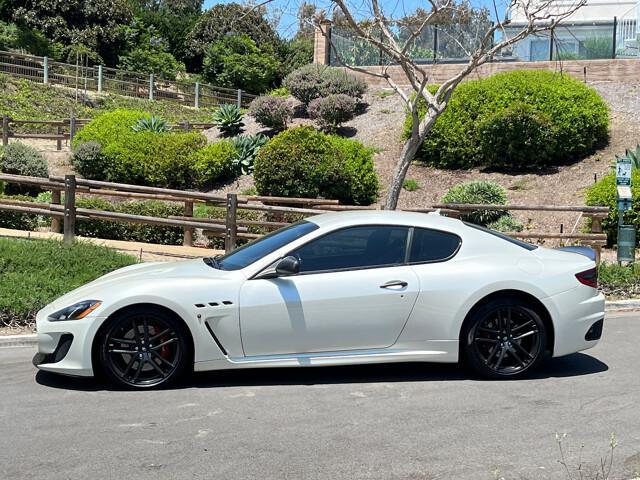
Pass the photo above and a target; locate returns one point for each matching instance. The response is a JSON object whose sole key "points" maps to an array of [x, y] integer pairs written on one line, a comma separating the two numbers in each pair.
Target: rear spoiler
{"points": [[586, 251]]}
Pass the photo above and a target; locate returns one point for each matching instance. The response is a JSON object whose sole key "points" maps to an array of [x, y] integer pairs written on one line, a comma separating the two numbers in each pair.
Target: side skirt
{"points": [[447, 353]]}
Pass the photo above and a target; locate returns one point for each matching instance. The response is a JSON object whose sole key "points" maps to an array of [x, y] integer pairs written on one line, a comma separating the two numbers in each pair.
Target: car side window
{"points": [[432, 245], [355, 247]]}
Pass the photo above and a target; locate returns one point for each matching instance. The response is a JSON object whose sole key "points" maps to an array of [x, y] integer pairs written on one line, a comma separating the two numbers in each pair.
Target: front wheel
{"points": [[504, 339], [144, 349]]}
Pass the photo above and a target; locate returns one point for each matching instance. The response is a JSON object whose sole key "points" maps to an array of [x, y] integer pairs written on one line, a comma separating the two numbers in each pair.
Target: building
{"points": [[599, 29]]}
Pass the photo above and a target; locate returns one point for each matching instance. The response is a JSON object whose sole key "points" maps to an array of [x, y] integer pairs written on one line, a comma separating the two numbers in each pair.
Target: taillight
{"points": [[588, 277]]}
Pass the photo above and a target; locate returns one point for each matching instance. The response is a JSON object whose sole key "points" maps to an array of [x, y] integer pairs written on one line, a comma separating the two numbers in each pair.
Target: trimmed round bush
{"points": [[213, 163], [507, 106], [506, 223], [89, 161], [145, 157], [518, 137], [16, 220], [271, 111], [603, 193], [314, 81], [478, 192], [20, 159], [302, 162], [331, 111]]}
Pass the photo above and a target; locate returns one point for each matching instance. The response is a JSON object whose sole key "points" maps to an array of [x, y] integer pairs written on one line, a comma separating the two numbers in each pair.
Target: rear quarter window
{"points": [[433, 246]]}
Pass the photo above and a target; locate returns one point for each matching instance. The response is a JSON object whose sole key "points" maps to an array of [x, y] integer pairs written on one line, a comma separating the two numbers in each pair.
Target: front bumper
{"points": [[577, 319], [65, 346]]}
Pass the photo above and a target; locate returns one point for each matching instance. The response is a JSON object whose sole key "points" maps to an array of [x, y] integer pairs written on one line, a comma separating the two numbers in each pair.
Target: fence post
{"points": [[596, 227], [69, 208], [614, 39], [196, 101], [551, 45], [55, 221], [59, 140], [99, 78], [188, 231], [435, 43], [186, 126], [151, 86], [45, 66], [239, 98], [72, 127], [231, 225], [5, 130]]}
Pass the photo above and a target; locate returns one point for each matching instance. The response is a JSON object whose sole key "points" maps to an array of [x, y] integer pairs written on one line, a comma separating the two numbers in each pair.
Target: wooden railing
{"points": [[66, 128], [276, 210]]}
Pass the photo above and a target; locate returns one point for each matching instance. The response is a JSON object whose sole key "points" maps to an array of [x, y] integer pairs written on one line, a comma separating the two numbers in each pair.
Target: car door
{"points": [[353, 292]]}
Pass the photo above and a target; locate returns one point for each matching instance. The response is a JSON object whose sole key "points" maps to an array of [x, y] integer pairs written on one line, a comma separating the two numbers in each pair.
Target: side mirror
{"points": [[288, 266], [283, 267]]}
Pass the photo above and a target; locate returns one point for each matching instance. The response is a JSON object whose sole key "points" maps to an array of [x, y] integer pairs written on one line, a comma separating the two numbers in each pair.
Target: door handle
{"points": [[394, 283]]}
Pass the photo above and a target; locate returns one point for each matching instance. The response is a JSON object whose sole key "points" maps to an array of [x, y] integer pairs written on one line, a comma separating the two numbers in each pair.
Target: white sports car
{"points": [[335, 289]]}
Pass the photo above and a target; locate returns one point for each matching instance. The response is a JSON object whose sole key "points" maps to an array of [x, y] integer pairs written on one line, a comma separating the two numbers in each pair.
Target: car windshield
{"points": [[253, 251]]}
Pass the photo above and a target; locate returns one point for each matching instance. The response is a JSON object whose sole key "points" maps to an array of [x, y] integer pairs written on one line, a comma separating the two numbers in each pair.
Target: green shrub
{"points": [[603, 193], [143, 157], [135, 232], [517, 137], [228, 118], [506, 223], [279, 92], [314, 81], [331, 111], [410, 185], [15, 220], [237, 62], [577, 116], [271, 111], [246, 149], [302, 162], [478, 192], [88, 160], [35, 272], [20, 159], [213, 163]]}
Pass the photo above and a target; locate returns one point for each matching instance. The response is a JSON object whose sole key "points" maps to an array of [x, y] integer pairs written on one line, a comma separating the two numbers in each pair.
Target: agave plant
{"points": [[633, 155], [152, 124], [228, 118], [247, 147]]}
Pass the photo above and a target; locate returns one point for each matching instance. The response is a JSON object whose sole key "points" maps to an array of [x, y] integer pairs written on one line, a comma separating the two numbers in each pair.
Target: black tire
{"points": [[504, 339], [144, 348]]}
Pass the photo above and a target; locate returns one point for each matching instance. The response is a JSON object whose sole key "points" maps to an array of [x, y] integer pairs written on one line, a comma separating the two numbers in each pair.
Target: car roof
{"points": [[386, 217]]}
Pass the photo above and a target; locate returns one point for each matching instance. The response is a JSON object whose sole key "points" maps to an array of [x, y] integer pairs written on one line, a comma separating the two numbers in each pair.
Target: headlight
{"points": [[76, 311]]}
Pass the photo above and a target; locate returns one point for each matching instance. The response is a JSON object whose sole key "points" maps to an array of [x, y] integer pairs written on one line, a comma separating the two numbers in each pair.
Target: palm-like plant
{"points": [[228, 118], [633, 155], [152, 124]]}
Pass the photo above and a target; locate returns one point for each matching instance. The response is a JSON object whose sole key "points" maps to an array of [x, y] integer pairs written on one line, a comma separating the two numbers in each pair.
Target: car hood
{"points": [[133, 276]]}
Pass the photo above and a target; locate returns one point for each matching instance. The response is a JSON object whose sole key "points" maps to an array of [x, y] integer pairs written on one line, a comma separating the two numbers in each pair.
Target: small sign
{"points": [[623, 171]]}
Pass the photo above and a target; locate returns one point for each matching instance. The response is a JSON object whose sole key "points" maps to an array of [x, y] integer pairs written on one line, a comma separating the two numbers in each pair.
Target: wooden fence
{"points": [[66, 128], [99, 78], [230, 226]]}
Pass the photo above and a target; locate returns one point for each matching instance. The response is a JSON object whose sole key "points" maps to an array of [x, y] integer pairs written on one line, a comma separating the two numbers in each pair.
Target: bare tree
{"points": [[378, 31]]}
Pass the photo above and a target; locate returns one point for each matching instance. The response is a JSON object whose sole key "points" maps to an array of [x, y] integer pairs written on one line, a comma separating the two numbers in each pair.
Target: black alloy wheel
{"points": [[505, 339], [144, 349]]}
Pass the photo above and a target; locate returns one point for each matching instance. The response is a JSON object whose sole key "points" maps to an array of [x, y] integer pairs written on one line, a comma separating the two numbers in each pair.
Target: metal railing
{"points": [[98, 78]]}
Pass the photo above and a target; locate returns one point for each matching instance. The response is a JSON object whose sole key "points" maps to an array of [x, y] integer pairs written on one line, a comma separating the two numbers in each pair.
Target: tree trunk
{"points": [[409, 151]]}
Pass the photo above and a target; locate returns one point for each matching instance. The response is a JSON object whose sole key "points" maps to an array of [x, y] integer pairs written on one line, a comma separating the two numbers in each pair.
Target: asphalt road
{"points": [[404, 421]]}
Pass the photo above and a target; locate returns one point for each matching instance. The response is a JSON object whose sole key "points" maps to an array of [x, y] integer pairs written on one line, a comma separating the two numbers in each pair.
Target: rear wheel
{"points": [[504, 339], [144, 348]]}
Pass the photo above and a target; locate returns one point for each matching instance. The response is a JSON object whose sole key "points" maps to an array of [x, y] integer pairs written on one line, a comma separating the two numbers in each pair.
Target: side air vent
{"points": [[213, 304], [215, 339], [227, 302], [200, 305]]}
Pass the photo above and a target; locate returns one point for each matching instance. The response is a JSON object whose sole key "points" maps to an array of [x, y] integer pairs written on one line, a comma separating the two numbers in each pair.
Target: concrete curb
{"points": [[32, 339]]}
